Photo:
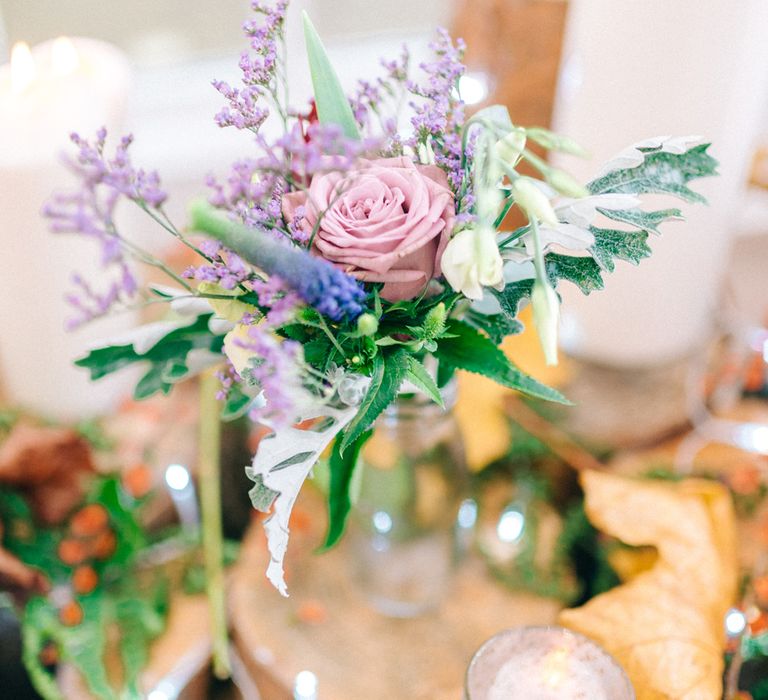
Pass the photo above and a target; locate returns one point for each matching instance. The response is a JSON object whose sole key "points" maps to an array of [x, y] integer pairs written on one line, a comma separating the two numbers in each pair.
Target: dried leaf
{"points": [[665, 626]]}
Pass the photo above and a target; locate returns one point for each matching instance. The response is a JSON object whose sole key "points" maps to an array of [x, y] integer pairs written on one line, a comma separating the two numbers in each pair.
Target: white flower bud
{"points": [[510, 148], [471, 261], [533, 201], [555, 142], [546, 317], [566, 184]]}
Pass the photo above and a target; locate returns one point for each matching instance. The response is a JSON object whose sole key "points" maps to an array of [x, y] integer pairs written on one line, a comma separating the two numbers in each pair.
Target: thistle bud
{"points": [[533, 201], [546, 317], [367, 324], [434, 323], [510, 148], [566, 184]]}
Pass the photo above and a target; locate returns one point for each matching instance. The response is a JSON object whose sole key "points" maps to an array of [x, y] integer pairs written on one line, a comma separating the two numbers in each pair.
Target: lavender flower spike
{"points": [[327, 289]]}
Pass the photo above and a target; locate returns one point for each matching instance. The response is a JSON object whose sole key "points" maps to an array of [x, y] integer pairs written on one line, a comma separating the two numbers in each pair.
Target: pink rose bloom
{"points": [[388, 220]]}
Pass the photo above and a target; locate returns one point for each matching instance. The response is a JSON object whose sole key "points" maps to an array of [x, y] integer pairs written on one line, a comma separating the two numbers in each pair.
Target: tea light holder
{"points": [[546, 663]]}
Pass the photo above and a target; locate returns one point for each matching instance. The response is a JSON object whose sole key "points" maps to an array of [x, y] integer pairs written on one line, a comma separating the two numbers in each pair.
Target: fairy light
{"points": [[555, 667], [473, 88], [183, 495], [510, 526], [22, 67], [305, 686], [735, 623]]}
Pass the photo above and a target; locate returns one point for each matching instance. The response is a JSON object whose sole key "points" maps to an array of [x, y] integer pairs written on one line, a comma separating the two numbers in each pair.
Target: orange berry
{"points": [[137, 481], [71, 614], [49, 654], [72, 552], [89, 521], [312, 612], [104, 546], [84, 580]]}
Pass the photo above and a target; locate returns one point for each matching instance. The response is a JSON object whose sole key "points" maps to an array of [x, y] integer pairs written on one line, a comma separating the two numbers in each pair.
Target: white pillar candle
{"points": [[56, 88], [633, 70], [546, 663]]}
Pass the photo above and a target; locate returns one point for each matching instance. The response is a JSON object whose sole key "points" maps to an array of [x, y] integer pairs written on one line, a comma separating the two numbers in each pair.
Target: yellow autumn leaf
{"points": [[238, 355], [665, 626]]}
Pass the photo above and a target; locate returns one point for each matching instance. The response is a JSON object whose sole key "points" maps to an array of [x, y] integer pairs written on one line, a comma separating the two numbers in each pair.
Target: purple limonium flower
{"points": [[258, 67], [439, 112], [224, 268], [275, 368], [327, 289], [89, 212]]}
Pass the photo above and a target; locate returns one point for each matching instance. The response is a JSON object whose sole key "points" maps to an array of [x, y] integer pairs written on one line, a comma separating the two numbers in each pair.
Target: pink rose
{"points": [[388, 220]]}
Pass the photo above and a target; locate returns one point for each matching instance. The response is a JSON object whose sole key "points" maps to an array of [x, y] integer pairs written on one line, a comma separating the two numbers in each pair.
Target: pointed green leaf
{"points": [[660, 172], [474, 352], [417, 374], [648, 220], [584, 272], [609, 244], [332, 104], [389, 370], [342, 467]]}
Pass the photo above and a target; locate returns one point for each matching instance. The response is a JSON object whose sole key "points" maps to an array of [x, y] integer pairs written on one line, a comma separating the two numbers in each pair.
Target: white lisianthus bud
{"points": [[546, 317], [471, 261], [510, 148], [533, 201], [566, 184], [555, 142]]}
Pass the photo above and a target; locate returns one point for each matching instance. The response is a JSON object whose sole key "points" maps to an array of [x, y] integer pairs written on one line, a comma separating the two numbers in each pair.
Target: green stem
{"points": [[210, 498]]}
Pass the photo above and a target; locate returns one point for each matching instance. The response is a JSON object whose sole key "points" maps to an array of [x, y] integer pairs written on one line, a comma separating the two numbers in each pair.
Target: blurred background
{"points": [[606, 73]]}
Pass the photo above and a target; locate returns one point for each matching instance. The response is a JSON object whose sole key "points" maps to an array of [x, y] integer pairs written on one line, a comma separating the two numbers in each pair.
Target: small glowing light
{"points": [[177, 477], [765, 350], [753, 437], [64, 56], [473, 88], [22, 67], [511, 525], [382, 522], [467, 515], [555, 667], [735, 622], [158, 695], [305, 686]]}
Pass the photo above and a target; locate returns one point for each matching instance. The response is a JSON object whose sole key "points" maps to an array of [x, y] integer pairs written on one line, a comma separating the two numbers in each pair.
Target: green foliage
{"points": [[609, 244], [418, 375], [471, 351], [389, 371], [342, 467], [137, 610], [167, 357], [332, 104], [583, 272], [660, 173]]}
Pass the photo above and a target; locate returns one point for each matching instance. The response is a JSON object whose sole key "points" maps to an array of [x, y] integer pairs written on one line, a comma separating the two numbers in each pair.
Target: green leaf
{"points": [[584, 272], [474, 352], [342, 467], [513, 295], [389, 370], [631, 246], [332, 104], [419, 376], [236, 404], [167, 357], [662, 173], [647, 220]]}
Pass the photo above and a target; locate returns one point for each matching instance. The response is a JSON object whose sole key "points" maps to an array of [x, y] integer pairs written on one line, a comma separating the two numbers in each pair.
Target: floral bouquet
{"points": [[360, 252]]}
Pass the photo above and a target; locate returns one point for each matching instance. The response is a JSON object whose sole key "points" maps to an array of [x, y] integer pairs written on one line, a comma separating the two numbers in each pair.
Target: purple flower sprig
{"points": [[330, 291], [89, 211]]}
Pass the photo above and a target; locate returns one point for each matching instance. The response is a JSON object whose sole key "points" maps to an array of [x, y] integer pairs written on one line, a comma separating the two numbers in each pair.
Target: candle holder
{"points": [[546, 663]]}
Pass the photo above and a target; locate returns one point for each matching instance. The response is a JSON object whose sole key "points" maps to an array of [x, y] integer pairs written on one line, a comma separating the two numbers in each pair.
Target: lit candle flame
{"points": [[555, 667], [64, 56], [22, 67]]}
